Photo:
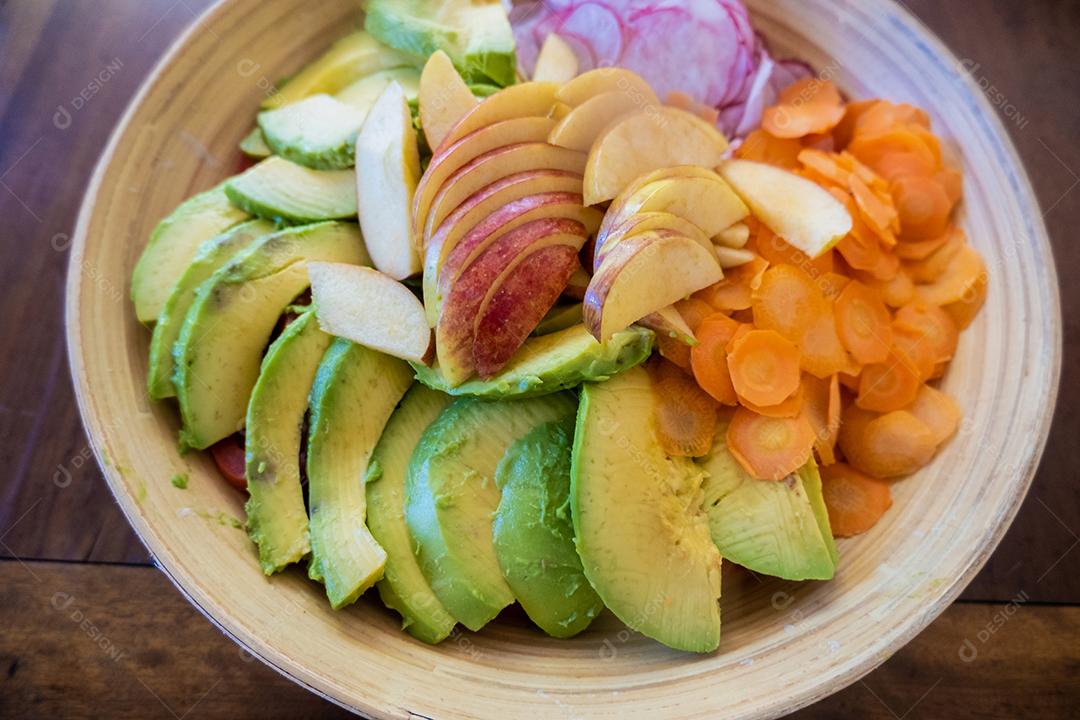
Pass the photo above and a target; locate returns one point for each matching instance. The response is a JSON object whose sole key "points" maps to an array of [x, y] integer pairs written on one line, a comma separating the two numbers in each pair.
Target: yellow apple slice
{"points": [[586, 122], [455, 156], [800, 211], [606, 79], [444, 98], [643, 274], [369, 308], [669, 321], [530, 99], [645, 141], [493, 165], [387, 170], [644, 222], [556, 62]]}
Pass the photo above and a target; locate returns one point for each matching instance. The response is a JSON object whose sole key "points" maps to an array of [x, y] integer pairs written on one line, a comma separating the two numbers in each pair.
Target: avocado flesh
{"points": [[350, 58], [355, 391], [534, 534], [276, 519], [363, 93], [173, 244], [229, 323], [318, 132], [476, 35], [451, 497], [559, 318], [641, 532], [403, 587], [774, 528], [282, 191], [254, 145], [552, 363], [211, 255]]}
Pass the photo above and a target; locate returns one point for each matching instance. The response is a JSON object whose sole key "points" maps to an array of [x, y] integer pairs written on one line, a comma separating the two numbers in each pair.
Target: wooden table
{"points": [[91, 629]]}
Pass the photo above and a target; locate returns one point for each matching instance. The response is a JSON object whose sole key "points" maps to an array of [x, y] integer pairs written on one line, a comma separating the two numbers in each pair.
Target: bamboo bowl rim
{"points": [[657, 671]]}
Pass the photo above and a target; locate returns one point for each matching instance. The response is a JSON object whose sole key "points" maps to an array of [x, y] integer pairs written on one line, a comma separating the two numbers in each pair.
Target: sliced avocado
{"points": [[211, 255], [559, 318], [774, 528], [534, 535], [254, 144], [279, 190], [352, 57], [363, 93], [483, 90], [403, 587], [173, 243], [641, 531], [318, 132], [475, 34], [230, 321], [552, 363], [276, 520], [451, 496], [355, 391]]}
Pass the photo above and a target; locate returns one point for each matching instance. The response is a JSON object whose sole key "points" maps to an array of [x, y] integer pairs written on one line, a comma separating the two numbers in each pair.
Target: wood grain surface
{"points": [[67, 69]]}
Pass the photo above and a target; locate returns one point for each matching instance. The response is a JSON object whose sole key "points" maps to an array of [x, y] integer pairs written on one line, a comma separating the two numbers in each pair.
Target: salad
{"points": [[565, 306]]}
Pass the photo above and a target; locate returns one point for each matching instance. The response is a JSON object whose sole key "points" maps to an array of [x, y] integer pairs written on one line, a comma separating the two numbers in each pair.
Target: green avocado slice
{"points": [[211, 255], [276, 520], [318, 132], [254, 145], [451, 497], [534, 535], [283, 191], [229, 323], [403, 587], [173, 244], [355, 391], [641, 531], [774, 528], [552, 363]]}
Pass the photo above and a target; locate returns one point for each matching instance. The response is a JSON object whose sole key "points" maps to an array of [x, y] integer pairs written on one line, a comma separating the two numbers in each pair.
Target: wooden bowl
{"points": [[784, 645]]}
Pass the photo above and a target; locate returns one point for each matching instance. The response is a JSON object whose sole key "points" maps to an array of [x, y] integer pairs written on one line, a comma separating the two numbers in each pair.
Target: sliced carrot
{"points": [[860, 248], [821, 406], [674, 350], [960, 279], [777, 251], [808, 106], [823, 353], [769, 448], [888, 385], [845, 130], [923, 205], [708, 359], [685, 414], [738, 335], [934, 265], [734, 291], [914, 349], [897, 292], [885, 115], [693, 311], [885, 446], [760, 146], [786, 301], [826, 165], [872, 149], [880, 214], [819, 141], [850, 380], [832, 284], [936, 326], [855, 501], [895, 164], [939, 411], [789, 408], [922, 249], [964, 310], [952, 182], [746, 317], [864, 323], [764, 367]]}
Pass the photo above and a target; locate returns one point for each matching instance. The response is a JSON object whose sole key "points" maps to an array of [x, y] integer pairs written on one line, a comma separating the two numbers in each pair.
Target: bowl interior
{"points": [[784, 644]]}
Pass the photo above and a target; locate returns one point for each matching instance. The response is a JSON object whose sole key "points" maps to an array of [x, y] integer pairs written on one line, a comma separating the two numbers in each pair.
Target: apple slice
{"points": [[647, 140], [669, 321], [387, 170], [800, 211], [606, 79], [586, 122], [445, 262], [530, 99], [444, 98], [556, 62], [644, 222], [456, 156], [455, 331], [489, 167], [578, 283], [643, 274], [512, 311], [370, 308]]}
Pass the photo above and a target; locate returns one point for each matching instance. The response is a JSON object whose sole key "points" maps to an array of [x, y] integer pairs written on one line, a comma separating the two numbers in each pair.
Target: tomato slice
{"points": [[229, 457]]}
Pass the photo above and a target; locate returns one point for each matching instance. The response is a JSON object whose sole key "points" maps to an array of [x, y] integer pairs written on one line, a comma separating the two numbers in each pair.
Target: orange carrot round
{"points": [[821, 406], [769, 448], [789, 408], [685, 414], [855, 501], [888, 385], [733, 292], [964, 310], [864, 323], [693, 311], [923, 206], [938, 411], [885, 446], [936, 326], [808, 106], [708, 359], [760, 146], [786, 301], [764, 367], [823, 353], [960, 279]]}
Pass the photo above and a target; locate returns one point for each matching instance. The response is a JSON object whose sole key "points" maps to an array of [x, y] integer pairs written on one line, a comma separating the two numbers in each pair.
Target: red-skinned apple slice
{"points": [[498, 163], [645, 221], [580, 128], [643, 274], [525, 295], [455, 156], [529, 99], [667, 321], [454, 332]]}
